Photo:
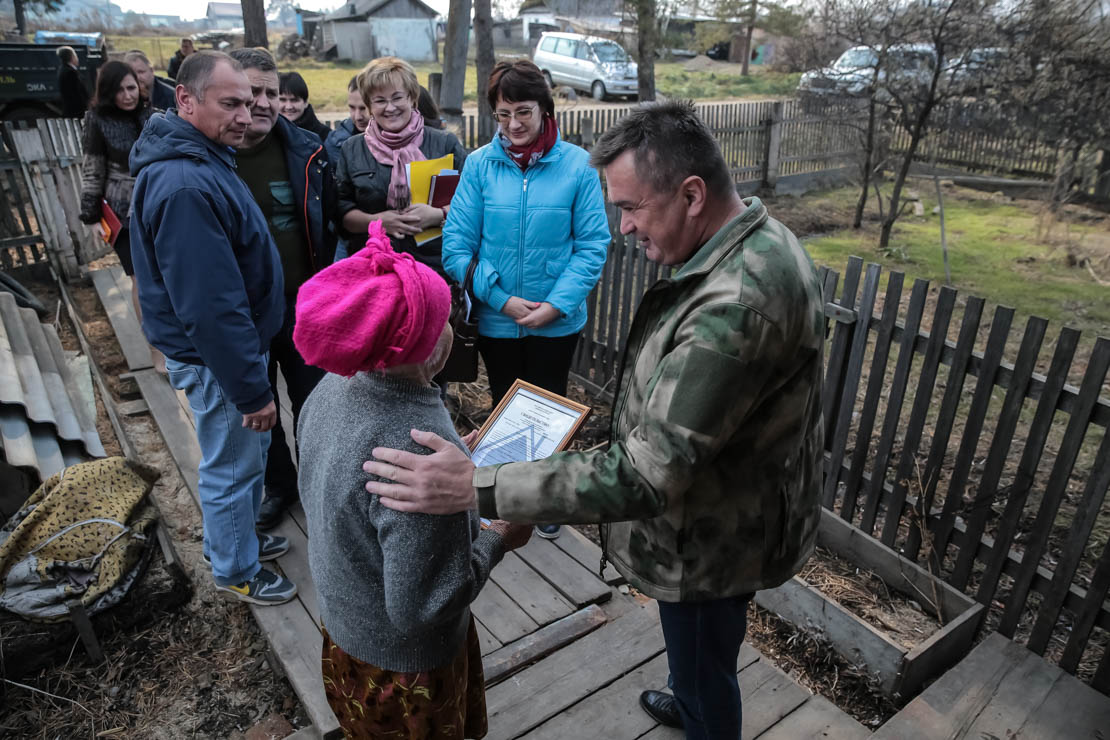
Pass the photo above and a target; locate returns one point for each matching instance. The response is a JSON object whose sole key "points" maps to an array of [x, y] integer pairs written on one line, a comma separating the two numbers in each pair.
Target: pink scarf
{"points": [[397, 150]]}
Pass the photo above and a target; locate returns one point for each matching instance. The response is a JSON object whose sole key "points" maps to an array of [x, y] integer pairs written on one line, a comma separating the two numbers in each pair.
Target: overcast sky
{"points": [[190, 9]]}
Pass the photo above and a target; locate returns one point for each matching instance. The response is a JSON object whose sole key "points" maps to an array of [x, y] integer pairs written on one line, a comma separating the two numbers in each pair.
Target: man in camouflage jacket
{"points": [[710, 484]]}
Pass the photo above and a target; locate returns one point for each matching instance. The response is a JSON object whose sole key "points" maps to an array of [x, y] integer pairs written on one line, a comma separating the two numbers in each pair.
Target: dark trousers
{"points": [[542, 361], [703, 642], [300, 379]]}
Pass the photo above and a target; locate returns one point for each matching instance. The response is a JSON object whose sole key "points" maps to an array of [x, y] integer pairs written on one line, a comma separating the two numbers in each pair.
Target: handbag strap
{"points": [[468, 282]]}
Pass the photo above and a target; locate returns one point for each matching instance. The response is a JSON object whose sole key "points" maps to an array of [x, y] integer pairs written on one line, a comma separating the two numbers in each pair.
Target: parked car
{"points": [[853, 72], [719, 51], [976, 71], [588, 63]]}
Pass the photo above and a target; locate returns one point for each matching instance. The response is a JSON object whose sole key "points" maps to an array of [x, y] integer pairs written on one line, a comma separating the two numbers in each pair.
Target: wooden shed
{"points": [[361, 30]]}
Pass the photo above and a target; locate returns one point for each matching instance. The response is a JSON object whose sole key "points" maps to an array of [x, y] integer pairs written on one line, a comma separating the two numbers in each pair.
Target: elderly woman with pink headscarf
{"points": [[400, 653], [371, 167]]}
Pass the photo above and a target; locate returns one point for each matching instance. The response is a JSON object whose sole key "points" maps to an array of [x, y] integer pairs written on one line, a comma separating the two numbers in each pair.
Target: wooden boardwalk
{"points": [[566, 654]]}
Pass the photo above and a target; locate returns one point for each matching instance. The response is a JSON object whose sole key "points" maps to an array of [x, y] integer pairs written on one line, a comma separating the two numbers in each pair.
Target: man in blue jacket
{"points": [[291, 180], [210, 287]]}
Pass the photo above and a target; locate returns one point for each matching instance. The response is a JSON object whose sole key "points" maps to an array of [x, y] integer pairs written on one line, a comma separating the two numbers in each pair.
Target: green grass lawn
{"points": [[995, 251]]}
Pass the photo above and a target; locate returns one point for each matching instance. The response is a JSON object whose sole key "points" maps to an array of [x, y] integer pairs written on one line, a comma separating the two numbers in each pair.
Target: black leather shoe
{"points": [[662, 707], [273, 508]]}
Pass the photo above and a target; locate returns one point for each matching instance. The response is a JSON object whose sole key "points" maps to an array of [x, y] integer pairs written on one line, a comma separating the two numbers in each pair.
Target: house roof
{"points": [[225, 10], [44, 423], [360, 9]]}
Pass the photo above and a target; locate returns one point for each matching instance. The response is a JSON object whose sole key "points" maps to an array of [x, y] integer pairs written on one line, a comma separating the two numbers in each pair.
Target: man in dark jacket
{"points": [[289, 175], [75, 96], [179, 57], [210, 286], [158, 92]]}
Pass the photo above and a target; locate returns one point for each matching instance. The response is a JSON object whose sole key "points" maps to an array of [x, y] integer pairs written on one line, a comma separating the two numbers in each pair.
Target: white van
{"points": [[595, 65]]}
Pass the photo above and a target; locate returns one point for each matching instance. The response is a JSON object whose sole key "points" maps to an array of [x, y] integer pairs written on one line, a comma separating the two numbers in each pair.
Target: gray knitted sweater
{"points": [[394, 588]]}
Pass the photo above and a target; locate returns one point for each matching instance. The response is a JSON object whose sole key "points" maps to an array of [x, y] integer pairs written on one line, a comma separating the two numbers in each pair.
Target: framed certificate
{"points": [[528, 424]]}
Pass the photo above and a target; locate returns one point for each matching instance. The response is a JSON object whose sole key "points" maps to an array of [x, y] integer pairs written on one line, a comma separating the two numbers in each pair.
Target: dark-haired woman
{"points": [[530, 207], [112, 124], [293, 99]]}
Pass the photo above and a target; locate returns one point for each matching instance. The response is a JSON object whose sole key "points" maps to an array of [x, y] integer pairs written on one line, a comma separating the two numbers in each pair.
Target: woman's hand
{"points": [[98, 229], [512, 535], [399, 224], [429, 215], [542, 315], [517, 308]]}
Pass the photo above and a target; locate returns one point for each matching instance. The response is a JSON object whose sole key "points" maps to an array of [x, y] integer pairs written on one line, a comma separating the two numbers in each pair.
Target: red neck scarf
{"points": [[526, 156]]}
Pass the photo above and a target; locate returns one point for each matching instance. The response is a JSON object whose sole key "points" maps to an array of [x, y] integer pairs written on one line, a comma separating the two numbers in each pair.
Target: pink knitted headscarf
{"points": [[373, 310], [396, 149]]}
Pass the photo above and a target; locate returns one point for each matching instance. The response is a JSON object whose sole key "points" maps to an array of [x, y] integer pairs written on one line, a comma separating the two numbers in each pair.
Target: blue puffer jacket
{"points": [[334, 142], [540, 235], [209, 275]]}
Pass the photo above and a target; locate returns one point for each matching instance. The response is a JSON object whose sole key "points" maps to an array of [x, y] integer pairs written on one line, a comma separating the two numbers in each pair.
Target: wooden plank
{"points": [[294, 564], [973, 427], [946, 417], [1030, 460], [1097, 365], [176, 428], [122, 317], [296, 641], [1083, 523], [876, 385], [502, 617], [1020, 695], [547, 688], [1003, 437], [533, 594], [838, 442], [768, 696], [892, 422], [816, 719], [579, 547], [488, 641], [579, 585], [544, 641], [1071, 710], [922, 402], [837, 361], [138, 407], [1085, 616], [614, 712]]}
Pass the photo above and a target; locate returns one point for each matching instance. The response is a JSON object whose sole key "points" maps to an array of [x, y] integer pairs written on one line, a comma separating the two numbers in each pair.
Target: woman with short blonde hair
{"points": [[371, 170]]}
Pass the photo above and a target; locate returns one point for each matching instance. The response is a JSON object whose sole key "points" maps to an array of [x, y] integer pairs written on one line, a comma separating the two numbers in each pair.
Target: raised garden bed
{"points": [[900, 660]]}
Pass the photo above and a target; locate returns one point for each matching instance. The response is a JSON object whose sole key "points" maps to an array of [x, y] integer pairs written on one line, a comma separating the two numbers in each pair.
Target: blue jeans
{"points": [[233, 462], [342, 250], [703, 643]]}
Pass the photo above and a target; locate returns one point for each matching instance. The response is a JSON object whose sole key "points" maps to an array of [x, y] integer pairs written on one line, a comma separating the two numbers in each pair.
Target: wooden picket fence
{"points": [[957, 453], [21, 244]]}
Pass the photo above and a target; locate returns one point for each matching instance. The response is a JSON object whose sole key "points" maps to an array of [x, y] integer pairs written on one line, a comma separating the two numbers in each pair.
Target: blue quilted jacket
{"points": [[540, 235]]}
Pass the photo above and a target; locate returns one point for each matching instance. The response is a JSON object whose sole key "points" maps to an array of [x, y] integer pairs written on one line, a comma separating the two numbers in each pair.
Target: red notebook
{"points": [[110, 221], [442, 190]]}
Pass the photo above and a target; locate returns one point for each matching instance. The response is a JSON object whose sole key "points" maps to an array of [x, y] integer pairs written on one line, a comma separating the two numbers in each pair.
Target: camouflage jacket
{"points": [[711, 480]]}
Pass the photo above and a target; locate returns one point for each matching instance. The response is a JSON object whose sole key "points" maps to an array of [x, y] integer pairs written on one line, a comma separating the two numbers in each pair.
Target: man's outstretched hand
{"points": [[439, 483]]}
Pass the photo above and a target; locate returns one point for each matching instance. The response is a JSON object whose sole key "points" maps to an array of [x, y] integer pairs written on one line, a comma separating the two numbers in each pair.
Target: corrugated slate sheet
{"points": [[44, 426]]}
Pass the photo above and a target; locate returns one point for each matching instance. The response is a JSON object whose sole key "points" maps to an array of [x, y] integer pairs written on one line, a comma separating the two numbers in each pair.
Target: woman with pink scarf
{"points": [[371, 167]]}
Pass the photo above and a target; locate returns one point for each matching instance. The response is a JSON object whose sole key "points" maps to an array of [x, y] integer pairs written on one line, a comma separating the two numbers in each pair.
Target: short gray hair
{"points": [[65, 53], [254, 58], [196, 70], [135, 55], [670, 143]]}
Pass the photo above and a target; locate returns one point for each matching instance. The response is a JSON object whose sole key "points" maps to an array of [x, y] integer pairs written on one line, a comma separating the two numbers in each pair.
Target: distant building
{"points": [[224, 16], [361, 30]]}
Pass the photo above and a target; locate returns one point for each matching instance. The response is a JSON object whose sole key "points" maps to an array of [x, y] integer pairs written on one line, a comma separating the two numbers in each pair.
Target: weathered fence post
{"points": [[435, 84], [1102, 179], [586, 131], [772, 159]]}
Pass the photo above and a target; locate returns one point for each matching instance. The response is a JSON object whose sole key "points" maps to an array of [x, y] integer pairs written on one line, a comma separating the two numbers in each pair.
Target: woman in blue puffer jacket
{"points": [[530, 207]]}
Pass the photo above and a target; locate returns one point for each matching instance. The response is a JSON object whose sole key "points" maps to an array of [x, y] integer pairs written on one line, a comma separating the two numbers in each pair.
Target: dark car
{"points": [[719, 51]]}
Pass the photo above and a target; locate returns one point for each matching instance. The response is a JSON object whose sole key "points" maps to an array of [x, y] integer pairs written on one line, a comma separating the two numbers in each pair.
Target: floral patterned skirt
{"points": [[370, 702]]}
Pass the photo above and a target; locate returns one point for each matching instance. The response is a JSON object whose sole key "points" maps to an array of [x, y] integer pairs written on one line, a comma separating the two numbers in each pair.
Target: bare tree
{"points": [[454, 58], [646, 38], [254, 24], [483, 37]]}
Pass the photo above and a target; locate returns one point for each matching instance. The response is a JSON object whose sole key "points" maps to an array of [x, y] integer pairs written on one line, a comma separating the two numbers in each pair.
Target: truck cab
{"points": [[29, 74]]}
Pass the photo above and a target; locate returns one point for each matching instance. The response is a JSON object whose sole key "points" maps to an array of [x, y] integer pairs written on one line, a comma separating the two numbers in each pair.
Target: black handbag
{"points": [[462, 363]]}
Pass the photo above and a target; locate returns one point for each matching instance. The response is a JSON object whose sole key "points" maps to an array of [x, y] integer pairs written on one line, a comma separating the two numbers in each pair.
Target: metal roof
{"points": [[44, 426]]}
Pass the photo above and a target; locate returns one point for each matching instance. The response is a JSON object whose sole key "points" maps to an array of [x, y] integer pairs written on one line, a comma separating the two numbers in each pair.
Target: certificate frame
{"points": [[579, 412]]}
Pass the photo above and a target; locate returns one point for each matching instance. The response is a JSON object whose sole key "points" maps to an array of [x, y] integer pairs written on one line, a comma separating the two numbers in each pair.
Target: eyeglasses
{"points": [[396, 100], [524, 115]]}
